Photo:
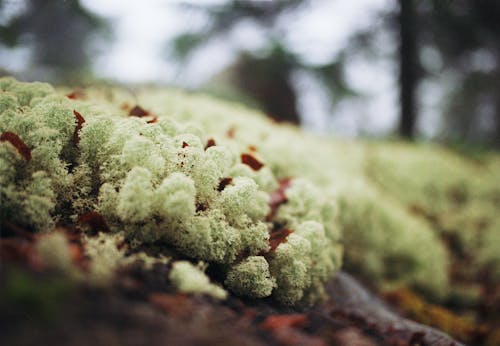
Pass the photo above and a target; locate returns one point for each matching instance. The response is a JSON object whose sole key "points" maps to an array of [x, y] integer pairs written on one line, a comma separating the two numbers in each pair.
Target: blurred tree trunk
{"points": [[408, 72]]}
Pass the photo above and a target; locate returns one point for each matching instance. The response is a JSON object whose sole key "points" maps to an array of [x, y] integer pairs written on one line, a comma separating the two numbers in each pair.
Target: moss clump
{"points": [[398, 206], [191, 279], [159, 182], [251, 277]]}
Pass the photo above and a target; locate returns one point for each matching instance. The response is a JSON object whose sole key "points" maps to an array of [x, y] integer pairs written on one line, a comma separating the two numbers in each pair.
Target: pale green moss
{"points": [[157, 182], [191, 279], [251, 278], [105, 257], [54, 250]]}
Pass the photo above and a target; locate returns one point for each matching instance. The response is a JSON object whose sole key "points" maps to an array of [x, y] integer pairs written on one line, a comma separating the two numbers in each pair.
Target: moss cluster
{"points": [[178, 178], [158, 182]]}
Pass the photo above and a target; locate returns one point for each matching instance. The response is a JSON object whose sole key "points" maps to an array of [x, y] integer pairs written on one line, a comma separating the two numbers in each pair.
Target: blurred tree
{"points": [[408, 70], [465, 34], [265, 76], [57, 33]]}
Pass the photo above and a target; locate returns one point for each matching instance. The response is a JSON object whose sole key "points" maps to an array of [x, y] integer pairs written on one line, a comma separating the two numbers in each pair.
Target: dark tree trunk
{"points": [[408, 73]]}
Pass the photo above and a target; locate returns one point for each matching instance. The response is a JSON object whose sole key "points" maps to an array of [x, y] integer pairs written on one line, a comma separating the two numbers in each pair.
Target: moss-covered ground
{"points": [[102, 190]]}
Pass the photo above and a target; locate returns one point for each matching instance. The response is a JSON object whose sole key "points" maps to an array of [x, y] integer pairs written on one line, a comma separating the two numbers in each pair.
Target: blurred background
{"points": [[426, 70]]}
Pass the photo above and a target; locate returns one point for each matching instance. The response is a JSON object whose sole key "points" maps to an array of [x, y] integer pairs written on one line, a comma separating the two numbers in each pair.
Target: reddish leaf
{"points": [[230, 132], [184, 144], [153, 120], [76, 95], [251, 161], [278, 237], [177, 305], [277, 322], [278, 197], [94, 220], [223, 183], [19, 250], [210, 143], [18, 143], [79, 123], [138, 111]]}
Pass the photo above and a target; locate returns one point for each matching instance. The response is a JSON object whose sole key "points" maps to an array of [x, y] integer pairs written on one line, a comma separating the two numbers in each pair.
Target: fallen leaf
{"points": [[230, 132], [251, 161], [79, 124], [138, 111], [76, 95], [276, 322], [278, 237], [223, 183], [210, 143], [278, 197], [95, 221], [18, 143]]}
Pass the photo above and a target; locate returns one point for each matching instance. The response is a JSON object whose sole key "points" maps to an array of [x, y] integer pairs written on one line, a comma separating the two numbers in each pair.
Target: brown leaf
{"points": [[230, 132], [276, 322], [223, 183], [251, 161], [79, 124], [278, 197], [18, 143], [76, 95], [177, 305], [138, 111], [210, 143], [18, 250], [278, 237], [95, 221]]}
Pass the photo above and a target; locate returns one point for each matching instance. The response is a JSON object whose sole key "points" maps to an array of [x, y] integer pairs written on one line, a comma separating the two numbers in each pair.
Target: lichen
{"points": [[395, 207], [159, 183], [191, 279]]}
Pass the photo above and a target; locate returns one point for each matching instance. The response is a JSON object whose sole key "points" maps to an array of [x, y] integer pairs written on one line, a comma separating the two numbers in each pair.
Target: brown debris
{"points": [[18, 143], [177, 305], [275, 322], [95, 221], [138, 111], [223, 183], [230, 132], [76, 95], [278, 197], [278, 237], [210, 143], [79, 124], [184, 144], [251, 161]]}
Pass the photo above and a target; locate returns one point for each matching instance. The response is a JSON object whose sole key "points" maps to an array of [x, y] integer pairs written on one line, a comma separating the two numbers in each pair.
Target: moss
{"points": [[157, 183], [55, 251], [191, 279], [251, 278]]}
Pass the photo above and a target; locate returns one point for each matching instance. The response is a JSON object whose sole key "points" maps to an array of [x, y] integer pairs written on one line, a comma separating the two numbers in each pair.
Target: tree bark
{"points": [[408, 73]]}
